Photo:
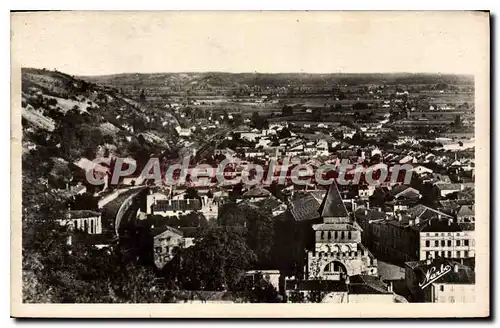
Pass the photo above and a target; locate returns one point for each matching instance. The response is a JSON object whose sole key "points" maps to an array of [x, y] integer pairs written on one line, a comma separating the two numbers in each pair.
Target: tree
{"points": [[259, 122], [257, 289], [284, 133], [142, 97], [216, 261], [191, 193], [287, 110]]}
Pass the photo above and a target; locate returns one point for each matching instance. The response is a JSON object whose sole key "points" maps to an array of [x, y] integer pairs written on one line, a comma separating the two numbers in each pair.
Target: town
{"points": [[134, 239]]}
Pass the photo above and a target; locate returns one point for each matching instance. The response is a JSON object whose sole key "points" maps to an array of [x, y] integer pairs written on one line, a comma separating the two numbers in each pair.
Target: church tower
{"points": [[338, 252]]}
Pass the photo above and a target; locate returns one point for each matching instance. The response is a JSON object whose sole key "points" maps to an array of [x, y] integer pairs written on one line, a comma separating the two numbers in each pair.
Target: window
{"points": [[458, 242], [441, 288], [458, 254], [342, 235], [449, 243], [466, 254], [336, 234], [449, 254], [349, 236], [466, 242], [436, 234], [329, 235], [443, 243], [427, 255], [322, 235], [436, 243], [427, 243]]}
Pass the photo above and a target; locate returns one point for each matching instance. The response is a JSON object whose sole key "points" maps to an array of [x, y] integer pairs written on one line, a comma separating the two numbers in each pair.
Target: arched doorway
{"points": [[335, 270]]}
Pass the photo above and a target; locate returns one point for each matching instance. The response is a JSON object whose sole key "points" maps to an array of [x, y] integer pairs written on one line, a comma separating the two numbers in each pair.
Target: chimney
{"points": [[455, 268]]}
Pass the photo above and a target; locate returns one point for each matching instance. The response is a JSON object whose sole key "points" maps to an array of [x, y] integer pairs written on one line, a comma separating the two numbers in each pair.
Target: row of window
{"points": [[336, 235], [447, 243], [442, 234], [447, 254]]}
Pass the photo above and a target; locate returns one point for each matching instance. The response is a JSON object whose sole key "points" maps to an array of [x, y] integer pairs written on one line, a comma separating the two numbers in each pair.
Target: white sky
{"points": [[97, 43]]}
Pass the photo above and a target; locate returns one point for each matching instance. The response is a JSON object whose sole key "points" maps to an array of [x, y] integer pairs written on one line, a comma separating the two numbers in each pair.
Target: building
{"points": [[415, 234], [173, 207], [166, 240], [448, 239], [440, 281], [354, 289], [338, 252], [83, 220]]}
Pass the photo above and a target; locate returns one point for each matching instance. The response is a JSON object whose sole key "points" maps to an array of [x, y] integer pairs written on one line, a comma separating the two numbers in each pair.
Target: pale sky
{"points": [[98, 43]]}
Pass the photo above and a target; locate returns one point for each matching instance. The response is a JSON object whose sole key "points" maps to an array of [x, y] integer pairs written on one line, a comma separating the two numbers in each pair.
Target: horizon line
{"points": [[255, 72]]}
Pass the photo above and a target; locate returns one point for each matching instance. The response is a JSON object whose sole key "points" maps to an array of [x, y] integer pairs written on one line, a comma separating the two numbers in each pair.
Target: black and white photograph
{"points": [[181, 160]]}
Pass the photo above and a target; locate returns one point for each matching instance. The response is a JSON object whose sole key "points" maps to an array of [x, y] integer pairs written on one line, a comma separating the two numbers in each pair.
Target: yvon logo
{"points": [[434, 274]]}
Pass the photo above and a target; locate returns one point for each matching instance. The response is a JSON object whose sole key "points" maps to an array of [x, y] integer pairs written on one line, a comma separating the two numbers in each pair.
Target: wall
{"points": [[451, 293]]}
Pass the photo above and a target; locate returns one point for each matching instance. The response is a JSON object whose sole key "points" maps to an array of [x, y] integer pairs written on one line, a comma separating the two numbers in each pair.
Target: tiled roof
{"points": [[465, 211], [423, 212], [257, 192], [305, 208], [440, 226], [159, 230], [370, 214]]}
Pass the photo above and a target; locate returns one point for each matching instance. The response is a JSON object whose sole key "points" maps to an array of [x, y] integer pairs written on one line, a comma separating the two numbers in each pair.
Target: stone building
{"points": [[338, 252]]}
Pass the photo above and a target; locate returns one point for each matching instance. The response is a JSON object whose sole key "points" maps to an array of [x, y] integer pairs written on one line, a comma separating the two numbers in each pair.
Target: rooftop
{"points": [[332, 205]]}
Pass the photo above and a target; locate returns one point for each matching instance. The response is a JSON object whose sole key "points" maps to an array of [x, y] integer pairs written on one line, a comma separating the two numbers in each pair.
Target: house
{"points": [[447, 239], [421, 170], [465, 214], [254, 152], [415, 234], [183, 132], [166, 241], [256, 193], [449, 188], [440, 281]]}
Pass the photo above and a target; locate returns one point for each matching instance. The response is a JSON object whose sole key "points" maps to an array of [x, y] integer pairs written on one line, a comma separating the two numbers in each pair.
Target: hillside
{"points": [[65, 119], [188, 81]]}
